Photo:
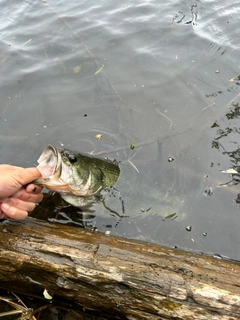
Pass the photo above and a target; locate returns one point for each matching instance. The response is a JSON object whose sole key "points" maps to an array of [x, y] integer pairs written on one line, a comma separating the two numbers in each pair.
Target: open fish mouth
{"points": [[54, 171]]}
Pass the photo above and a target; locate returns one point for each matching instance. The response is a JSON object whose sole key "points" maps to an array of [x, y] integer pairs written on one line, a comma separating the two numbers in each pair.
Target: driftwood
{"points": [[116, 277]]}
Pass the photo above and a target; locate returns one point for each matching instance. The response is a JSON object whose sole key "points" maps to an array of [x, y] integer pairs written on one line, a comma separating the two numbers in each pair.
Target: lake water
{"points": [[162, 76]]}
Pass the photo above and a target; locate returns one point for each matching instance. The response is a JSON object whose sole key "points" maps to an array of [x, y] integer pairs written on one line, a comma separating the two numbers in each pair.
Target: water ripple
{"points": [[218, 23], [170, 70]]}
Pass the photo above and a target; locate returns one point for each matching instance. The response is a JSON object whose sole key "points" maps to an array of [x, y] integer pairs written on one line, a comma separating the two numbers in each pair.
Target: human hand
{"points": [[16, 197]]}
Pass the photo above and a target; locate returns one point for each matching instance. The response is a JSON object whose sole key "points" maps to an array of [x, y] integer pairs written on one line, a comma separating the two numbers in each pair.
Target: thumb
{"points": [[27, 175]]}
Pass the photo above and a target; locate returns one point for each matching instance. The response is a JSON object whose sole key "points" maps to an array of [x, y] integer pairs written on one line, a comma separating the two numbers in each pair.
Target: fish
{"points": [[77, 177]]}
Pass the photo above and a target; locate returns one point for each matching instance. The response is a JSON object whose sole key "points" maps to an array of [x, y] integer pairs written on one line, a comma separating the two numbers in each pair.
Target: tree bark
{"points": [[120, 278]]}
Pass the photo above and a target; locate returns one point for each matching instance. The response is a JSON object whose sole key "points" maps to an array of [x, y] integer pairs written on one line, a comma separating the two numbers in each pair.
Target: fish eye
{"points": [[72, 158]]}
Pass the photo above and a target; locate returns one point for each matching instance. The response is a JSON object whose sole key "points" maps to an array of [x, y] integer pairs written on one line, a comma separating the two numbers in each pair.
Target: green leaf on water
{"points": [[171, 216], [100, 69]]}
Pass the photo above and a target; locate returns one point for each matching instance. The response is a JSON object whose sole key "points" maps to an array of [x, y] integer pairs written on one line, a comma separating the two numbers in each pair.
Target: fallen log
{"points": [[119, 278]]}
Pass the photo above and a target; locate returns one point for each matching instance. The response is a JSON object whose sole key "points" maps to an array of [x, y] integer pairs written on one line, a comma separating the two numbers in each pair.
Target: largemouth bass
{"points": [[83, 180], [76, 176]]}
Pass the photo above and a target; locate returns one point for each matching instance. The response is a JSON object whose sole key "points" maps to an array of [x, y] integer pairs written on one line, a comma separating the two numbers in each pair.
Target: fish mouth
{"points": [[54, 171]]}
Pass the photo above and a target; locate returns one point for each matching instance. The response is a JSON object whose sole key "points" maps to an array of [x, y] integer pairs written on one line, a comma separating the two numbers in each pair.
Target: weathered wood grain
{"points": [[119, 278]]}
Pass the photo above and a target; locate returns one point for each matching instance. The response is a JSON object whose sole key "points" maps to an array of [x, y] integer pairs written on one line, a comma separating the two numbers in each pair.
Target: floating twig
{"points": [[162, 114]]}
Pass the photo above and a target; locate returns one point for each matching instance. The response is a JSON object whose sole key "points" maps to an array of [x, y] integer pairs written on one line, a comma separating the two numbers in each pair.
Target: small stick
{"points": [[162, 114]]}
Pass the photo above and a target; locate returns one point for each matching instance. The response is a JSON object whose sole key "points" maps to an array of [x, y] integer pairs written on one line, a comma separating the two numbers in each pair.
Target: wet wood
{"points": [[116, 277]]}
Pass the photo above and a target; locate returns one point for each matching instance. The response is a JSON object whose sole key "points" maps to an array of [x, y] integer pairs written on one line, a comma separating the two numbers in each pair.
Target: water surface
{"points": [[170, 82]]}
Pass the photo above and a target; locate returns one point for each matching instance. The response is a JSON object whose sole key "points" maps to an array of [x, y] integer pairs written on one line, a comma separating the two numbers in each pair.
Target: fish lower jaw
{"points": [[60, 189]]}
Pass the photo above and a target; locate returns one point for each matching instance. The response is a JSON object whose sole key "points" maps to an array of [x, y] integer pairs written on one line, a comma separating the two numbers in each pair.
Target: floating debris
{"points": [[162, 114], [132, 146], [230, 170], [100, 69], [77, 69], [171, 216], [26, 42], [238, 198], [189, 228], [146, 210], [208, 192], [98, 136], [47, 295]]}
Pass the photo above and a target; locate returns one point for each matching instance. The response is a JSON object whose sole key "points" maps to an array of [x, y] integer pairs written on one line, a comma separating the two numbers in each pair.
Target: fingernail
{"points": [[5, 206]]}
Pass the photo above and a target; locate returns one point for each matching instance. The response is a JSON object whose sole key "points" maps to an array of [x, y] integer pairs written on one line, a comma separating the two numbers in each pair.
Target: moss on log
{"points": [[119, 278]]}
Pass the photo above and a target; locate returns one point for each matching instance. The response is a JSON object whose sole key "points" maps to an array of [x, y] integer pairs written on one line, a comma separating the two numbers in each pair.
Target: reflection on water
{"points": [[169, 79], [227, 141]]}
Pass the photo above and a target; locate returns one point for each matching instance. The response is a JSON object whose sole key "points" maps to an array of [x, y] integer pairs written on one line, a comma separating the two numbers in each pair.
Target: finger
{"points": [[27, 175], [32, 188], [12, 212], [2, 214], [19, 204], [22, 194]]}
